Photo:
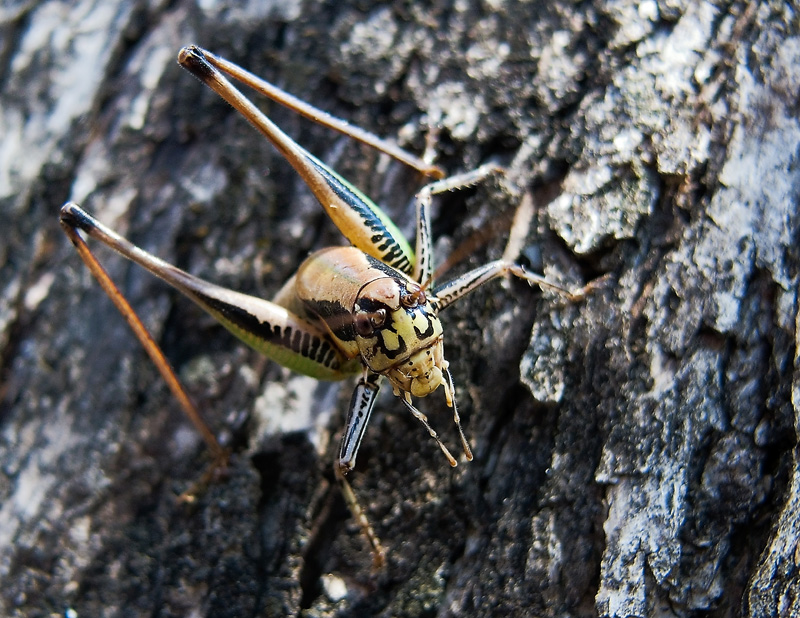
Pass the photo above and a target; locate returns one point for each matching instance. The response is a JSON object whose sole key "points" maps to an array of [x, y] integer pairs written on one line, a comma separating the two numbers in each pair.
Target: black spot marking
{"points": [[313, 350], [304, 344], [428, 331]]}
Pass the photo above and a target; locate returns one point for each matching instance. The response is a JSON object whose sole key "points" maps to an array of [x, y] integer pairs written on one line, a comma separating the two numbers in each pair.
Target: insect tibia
{"points": [[462, 181], [542, 282], [378, 552]]}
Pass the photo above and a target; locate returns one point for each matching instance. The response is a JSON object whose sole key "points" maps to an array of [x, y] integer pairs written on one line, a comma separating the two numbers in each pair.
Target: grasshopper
{"points": [[368, 310]]}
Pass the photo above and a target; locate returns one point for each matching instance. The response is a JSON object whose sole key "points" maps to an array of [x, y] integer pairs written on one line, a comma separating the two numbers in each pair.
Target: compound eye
{"points": [[413, 296], [366, 323]]}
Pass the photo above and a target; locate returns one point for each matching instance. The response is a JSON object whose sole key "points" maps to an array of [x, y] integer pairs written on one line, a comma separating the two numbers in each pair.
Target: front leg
{"points": [[423, 268], [361, 404], [451, 291]]}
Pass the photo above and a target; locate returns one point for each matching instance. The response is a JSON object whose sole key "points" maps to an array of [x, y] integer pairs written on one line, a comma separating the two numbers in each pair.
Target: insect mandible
{"points": [[368, 309]]}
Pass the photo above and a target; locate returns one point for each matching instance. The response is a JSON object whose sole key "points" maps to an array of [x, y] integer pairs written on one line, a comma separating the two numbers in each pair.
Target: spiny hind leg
{"points": [[73, 219]]}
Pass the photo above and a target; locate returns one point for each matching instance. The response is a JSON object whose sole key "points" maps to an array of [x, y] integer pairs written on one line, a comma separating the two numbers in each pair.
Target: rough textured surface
{"points": [[648, 466]]}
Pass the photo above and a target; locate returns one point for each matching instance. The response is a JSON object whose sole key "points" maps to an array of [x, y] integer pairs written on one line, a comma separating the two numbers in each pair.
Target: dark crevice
{"points": [[135, 30], [12, 37], [15, 333], [273, 552], [327, 525], [268, 466]]}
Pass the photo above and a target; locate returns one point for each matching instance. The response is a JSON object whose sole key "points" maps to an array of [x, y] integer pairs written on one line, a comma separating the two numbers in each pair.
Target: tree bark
{"points": [[635, 453]]}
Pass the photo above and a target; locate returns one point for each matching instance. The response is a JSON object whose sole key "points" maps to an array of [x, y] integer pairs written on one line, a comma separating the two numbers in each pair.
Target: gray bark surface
{"points": [[635, 453]]}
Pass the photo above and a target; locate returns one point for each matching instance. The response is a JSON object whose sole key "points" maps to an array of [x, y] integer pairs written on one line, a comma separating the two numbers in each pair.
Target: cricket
{"points": [[369, 310]]}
